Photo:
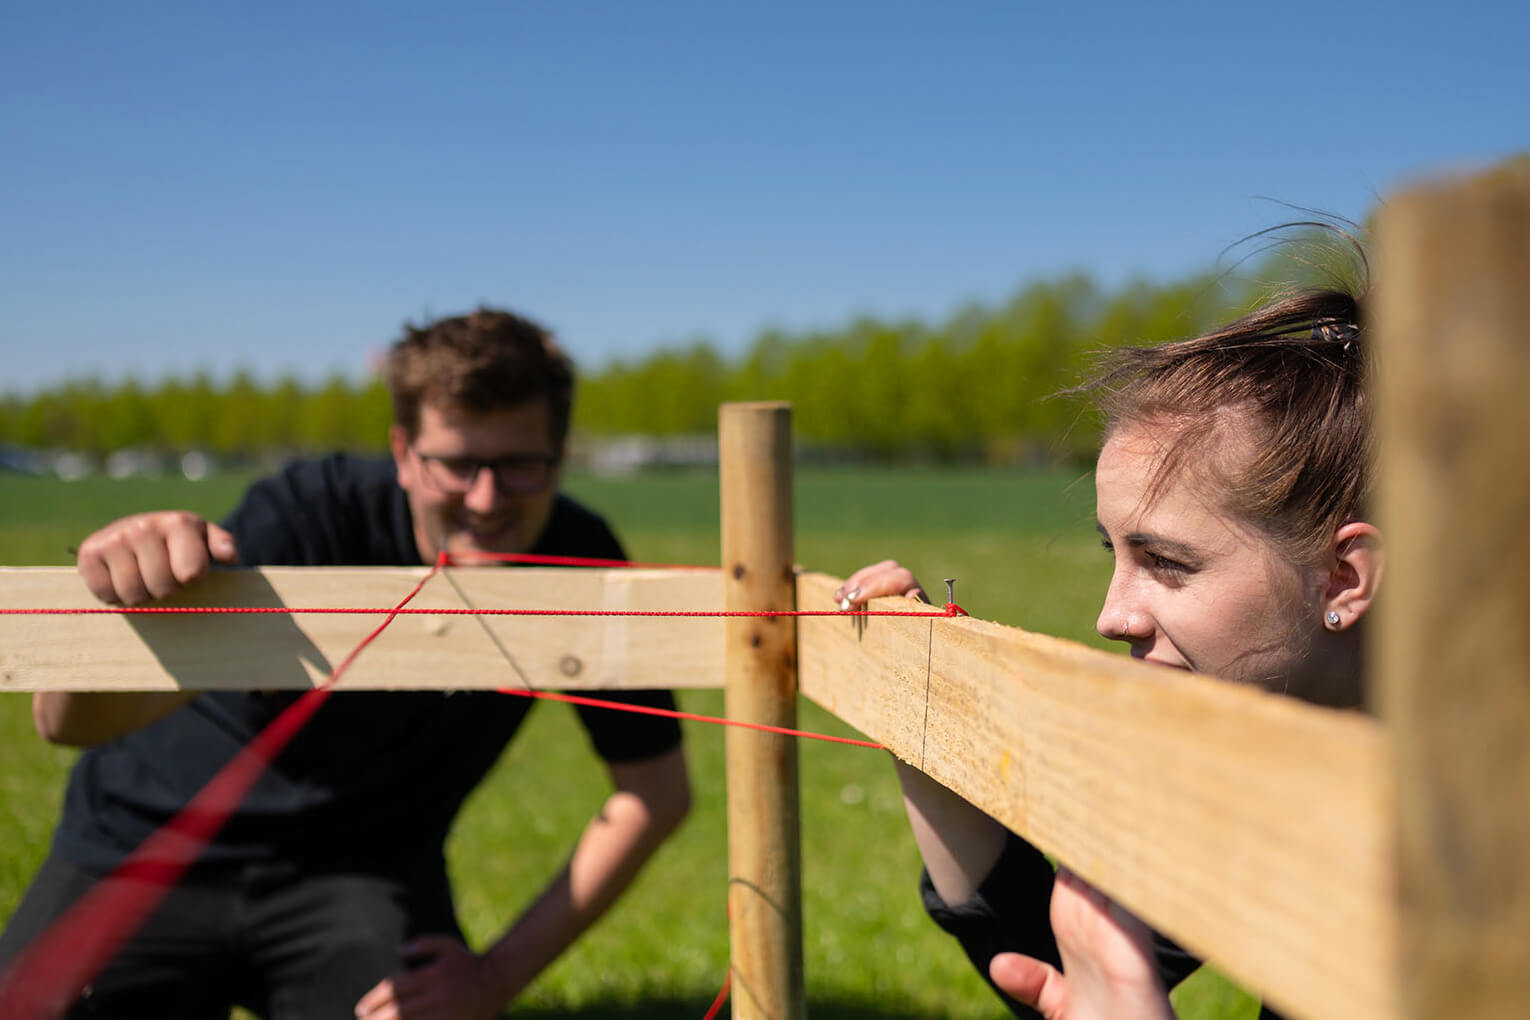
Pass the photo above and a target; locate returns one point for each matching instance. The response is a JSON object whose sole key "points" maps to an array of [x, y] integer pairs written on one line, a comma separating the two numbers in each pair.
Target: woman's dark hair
{"points": [[485, 361], [1292, 377]]}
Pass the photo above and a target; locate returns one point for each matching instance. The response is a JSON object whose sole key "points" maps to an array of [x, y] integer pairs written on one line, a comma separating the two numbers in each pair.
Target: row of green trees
{"points": [[974, 386], [237, 418], [979, 385]]}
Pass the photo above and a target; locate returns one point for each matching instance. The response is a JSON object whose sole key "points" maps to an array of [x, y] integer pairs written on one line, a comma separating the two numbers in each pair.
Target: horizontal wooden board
{"points": [[1254, 829], [268, 652]]}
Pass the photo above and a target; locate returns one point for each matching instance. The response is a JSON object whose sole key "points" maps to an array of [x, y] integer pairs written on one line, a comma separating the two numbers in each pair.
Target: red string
{"points": [[951, 609], [669, 713], [458, 559], [722, 997], [72, 951]]}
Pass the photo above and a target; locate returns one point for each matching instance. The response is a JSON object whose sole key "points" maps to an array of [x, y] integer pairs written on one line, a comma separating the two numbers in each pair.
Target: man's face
{"points": [[478, 482]]}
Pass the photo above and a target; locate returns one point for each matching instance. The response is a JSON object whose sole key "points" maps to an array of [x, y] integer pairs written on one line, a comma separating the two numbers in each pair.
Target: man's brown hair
{"points": [[484, 361]]}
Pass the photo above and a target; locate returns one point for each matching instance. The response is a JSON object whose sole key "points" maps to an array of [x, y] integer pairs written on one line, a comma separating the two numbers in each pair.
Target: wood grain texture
{"points": [[1453, 344], [760, 658], [1254, 829], [243, 651]]}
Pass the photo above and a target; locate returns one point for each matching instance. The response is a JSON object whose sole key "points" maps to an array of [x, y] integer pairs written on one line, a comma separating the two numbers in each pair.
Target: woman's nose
{"points": [[1120, 618]]}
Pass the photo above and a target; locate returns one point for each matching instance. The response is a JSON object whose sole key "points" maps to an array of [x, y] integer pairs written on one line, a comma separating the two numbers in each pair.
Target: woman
{"points": [[1231, 489]]}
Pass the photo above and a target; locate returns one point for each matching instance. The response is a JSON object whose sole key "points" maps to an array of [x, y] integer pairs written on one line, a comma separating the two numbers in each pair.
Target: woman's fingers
{"points": [[888, 577], [1037, 984]]}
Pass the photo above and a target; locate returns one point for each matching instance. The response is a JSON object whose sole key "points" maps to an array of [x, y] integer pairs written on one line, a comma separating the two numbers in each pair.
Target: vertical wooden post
{"points": [[760, 662], [1453, 325]]}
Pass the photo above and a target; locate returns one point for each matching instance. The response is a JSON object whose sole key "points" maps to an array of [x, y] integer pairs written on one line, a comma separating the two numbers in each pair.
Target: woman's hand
{"points": [[1107, 957], [886, 578]]}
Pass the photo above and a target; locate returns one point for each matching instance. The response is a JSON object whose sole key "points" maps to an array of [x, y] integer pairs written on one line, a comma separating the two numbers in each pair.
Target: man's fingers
{"points": [[406, 994], [96, 574], [151, 555], [379, 996], [388, 998], [188, 556], [156, 569], [157, 541], [128, 585], [220, 544]]}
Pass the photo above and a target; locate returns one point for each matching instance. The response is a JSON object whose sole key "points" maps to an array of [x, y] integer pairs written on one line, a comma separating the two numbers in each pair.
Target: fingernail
{"points": [[853, 595], [844, 604]]}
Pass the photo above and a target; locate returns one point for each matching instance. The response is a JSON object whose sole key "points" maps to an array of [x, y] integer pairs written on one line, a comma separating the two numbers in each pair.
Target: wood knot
{"points": [[739, 572], [570, 665]]}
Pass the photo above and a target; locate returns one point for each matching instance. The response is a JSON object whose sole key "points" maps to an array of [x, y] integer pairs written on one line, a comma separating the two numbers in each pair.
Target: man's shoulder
{"points": [[338, 473], [577, 514], [577, 530], [339, 508]]}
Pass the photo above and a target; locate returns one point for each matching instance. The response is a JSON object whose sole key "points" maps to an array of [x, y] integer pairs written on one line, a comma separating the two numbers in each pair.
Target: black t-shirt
{"points": [[1011, 913], [374, 779]]}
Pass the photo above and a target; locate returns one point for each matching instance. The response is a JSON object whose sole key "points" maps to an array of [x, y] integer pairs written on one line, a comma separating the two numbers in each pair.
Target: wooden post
{"points": [[1453, 325], [760, 666]]}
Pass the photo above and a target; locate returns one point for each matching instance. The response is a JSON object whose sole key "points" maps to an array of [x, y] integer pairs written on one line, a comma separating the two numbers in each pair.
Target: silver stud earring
{"points": [[1332, 619]]}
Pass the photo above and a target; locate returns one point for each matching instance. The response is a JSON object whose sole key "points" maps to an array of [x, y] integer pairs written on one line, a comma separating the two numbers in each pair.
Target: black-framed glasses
{"points": [[515, 474]]}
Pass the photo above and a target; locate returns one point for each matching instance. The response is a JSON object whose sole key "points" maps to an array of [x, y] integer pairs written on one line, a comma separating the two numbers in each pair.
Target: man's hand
{"points": [[151, 555], [127, 562], [1107, 957], [652, 797], [448, 982]]}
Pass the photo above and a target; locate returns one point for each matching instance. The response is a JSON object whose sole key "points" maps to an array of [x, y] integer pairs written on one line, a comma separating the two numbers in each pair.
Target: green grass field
{"points": [[1024, 551]]}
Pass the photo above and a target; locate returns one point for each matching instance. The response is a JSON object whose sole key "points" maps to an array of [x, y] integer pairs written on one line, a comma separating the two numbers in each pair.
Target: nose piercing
{"points": [[1332, 620]]}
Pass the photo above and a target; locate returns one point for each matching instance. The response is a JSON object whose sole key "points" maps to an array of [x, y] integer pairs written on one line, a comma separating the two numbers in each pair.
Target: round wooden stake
{"points": [[760, 662]]}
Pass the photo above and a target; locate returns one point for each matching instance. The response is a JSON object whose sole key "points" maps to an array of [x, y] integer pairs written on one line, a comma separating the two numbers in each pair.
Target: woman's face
{"points": [[1194, 587]]}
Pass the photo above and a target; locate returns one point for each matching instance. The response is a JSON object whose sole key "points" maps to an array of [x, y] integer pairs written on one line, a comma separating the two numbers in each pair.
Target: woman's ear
{"points": [[1354, 575]]}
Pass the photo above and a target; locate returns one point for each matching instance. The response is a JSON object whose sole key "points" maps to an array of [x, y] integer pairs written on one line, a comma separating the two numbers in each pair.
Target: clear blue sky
{"points": [[279, 186]]}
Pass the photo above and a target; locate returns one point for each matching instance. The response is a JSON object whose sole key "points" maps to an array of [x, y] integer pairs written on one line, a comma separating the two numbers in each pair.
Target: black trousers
{"points": [[272, 937]]}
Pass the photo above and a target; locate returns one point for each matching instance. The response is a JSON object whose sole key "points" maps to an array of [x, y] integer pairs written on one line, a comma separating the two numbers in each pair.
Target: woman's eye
{"points": [[1165, 564], [1108, 546]]}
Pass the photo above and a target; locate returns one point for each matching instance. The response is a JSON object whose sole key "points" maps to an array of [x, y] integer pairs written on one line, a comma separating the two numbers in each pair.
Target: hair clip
{"points": [[1334, 331]]}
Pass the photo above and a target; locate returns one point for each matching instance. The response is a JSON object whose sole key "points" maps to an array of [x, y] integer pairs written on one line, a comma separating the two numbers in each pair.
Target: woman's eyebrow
{"points": [[1141, 538], [1179, 550]]}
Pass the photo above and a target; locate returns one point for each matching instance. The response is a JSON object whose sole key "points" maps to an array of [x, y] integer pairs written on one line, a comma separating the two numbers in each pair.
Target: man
{"points": [[325, 894]]}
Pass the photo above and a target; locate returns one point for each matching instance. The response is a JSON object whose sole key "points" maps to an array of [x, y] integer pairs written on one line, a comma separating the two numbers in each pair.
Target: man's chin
{"points": [[505, 541]]}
